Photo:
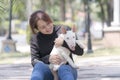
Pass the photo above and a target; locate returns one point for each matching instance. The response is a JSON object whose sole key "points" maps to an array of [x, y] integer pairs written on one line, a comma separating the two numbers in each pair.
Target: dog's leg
{"points": [[69, 60], [55, 68], [55, 74]]}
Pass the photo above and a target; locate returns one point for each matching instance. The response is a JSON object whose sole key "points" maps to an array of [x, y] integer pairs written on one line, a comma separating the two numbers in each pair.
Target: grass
{"points": [[13, 55], [98, 54], [104, 52], [6, 58]]}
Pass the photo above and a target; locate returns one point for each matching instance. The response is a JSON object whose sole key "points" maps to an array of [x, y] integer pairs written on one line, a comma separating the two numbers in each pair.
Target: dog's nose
{"points": [[73, 48]]}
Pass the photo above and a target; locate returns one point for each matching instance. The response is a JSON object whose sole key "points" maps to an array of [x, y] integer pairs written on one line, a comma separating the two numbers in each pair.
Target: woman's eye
{"points": [[43, 27]]}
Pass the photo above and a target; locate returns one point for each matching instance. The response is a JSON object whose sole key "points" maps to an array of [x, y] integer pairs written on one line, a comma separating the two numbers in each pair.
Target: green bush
{"points": [[28, 34], [2, 31], [70, 24]]}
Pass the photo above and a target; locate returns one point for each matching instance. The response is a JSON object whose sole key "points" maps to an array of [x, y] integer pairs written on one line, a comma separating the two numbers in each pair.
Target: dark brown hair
{"points": [[38, 15]]}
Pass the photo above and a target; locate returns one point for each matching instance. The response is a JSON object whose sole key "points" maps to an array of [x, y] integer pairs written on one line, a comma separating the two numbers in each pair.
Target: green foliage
{"points": [[4, 28], [4, 10], [52, 7], [28, 34], [20, 31], [13, 55], [70, 24], [2, 31], [19, 9], [54, 13]]}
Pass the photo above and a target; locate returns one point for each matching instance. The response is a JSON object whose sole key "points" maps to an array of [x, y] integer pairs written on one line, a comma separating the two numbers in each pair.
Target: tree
{"points": [[62, 9], [109, 12], [19, 9], [106, 13], [70, 3]]}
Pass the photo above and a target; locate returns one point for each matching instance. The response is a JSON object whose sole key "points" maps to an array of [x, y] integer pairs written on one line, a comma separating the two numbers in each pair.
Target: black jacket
{"points": [[41, 45]]}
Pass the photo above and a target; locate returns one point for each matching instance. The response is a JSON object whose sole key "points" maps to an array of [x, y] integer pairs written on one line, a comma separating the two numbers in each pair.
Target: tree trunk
{"points": [[109, 13], [43, 5], [103, 15], [29, 8], [62, 10], [71, 9]]}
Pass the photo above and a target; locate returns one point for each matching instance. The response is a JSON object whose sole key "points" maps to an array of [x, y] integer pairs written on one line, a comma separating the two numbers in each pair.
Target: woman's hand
{"points": [[55, 59], [58, 41]]}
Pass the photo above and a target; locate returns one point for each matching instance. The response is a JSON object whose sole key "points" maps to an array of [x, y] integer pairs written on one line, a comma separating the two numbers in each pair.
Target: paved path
{"points": [[15, 71], [103, 68], [99, 73], [99, 68]]}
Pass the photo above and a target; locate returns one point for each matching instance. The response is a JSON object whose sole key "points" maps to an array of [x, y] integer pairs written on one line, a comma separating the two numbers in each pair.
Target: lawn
{"points": [[6, 58], [104, 52]]}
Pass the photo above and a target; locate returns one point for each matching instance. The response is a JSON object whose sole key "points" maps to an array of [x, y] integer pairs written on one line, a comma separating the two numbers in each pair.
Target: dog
{"points": [[70, 38]]}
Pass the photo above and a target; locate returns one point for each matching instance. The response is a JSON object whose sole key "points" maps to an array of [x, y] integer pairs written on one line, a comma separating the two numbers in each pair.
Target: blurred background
{"points": [[97, 22]]}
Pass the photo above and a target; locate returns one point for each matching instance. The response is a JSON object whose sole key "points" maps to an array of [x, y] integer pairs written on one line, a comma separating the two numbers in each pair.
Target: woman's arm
{"points": [[34, 50], [78, 49], [59, 41], [35, 53]]}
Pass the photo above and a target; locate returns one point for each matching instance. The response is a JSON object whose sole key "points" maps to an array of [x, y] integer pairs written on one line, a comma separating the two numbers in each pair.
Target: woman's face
{"points": [[44, 27]]}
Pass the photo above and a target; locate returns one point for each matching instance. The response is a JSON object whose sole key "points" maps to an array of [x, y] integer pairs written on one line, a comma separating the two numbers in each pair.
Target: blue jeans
{"points": [[41, 71]]}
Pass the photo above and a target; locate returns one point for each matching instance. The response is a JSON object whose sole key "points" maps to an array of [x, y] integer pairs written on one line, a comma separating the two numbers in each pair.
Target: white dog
{"points": [[70, 38]]}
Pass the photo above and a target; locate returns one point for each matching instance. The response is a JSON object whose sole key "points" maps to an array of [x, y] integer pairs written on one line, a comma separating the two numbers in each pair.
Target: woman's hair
{"points": [[38, 15]]}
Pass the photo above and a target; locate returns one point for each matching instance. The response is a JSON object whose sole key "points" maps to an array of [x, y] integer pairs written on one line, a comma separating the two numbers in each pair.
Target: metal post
{"points": [[88, 23], [10, 19]]}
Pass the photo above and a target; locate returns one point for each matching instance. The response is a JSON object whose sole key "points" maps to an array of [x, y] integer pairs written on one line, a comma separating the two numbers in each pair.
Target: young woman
{"points": [[44, 37]]}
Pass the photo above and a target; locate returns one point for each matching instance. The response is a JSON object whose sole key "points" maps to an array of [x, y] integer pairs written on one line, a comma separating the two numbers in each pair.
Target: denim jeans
{"points": [[41, 71]]}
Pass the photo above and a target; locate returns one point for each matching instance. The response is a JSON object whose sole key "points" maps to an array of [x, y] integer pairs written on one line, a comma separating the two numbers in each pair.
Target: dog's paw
{"points": [[77, 67]]}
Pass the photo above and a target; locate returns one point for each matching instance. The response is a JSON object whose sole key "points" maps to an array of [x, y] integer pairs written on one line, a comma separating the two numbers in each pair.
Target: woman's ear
{"points": [[74, 28], [63, 30]]}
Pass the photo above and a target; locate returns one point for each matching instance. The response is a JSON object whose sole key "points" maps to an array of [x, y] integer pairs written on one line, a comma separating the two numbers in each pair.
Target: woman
{"points": [[42, 41]]}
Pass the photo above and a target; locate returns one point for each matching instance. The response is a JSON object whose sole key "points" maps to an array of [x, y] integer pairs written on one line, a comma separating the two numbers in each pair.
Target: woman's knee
{"points": [[36, 77], [40, 66], [64, 68], [41, 71], [67, 71]]}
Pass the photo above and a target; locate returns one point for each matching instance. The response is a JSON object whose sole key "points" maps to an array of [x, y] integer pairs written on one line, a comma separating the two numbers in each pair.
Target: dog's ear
{"points": [[74, 28], [63, 30]]}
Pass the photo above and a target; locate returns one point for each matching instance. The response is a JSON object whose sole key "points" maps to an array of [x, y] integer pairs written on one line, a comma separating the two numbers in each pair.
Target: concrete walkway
{"points": [[98, 68], [15, 71], [99, 73]]}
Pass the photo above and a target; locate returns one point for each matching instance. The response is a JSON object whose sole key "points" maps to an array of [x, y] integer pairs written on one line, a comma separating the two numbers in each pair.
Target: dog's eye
{"points": [[67, 37]]}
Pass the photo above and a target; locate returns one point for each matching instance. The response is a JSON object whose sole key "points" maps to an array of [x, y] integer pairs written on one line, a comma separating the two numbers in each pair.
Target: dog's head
{"points": [[70, 38]]}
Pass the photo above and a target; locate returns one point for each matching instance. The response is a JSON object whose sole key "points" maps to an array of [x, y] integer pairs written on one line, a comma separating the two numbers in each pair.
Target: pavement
{"points": [[15, 71], [97, 68]]}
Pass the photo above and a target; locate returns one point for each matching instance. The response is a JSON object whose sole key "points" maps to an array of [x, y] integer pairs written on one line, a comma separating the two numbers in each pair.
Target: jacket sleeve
{"points": [[78, 50], [35, 57], [34, 50]]}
